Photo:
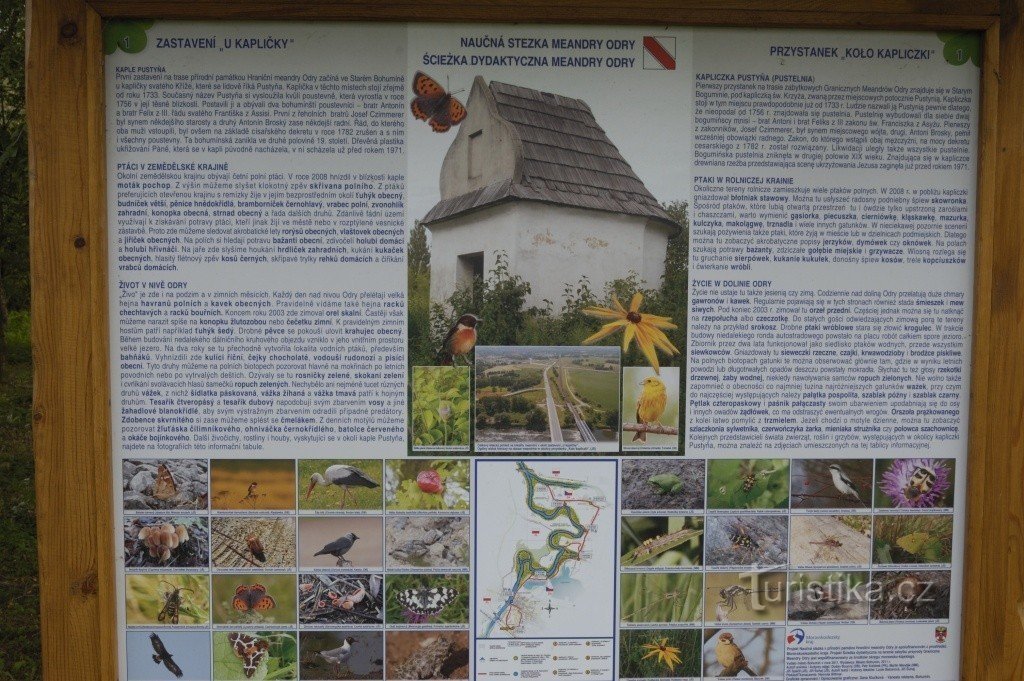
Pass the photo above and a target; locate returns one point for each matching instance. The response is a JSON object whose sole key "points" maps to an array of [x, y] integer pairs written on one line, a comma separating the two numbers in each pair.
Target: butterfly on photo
{"points": [[252, 597], [426, 601], [250, 650], [434, 104], [164, 487]]}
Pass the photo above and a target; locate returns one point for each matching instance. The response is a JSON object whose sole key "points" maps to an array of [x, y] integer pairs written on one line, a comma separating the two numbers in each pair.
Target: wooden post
{"points": [[71, 412], [69, 285]]}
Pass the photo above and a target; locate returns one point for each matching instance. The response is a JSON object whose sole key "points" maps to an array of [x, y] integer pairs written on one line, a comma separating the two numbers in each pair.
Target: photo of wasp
{"points": [[746, 540], [173, 601]]}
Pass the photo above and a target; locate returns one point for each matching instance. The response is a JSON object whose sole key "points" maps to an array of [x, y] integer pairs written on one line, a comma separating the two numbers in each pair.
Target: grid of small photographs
{"points": [[275, 568], [719, 557]]}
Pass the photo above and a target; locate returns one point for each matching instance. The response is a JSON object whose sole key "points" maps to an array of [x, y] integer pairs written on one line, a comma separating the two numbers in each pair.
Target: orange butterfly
{"points": [[434, 105], [252, 597]]}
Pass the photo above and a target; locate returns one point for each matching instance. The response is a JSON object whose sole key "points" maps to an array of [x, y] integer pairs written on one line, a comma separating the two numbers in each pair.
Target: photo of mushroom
{"points": [[659, 597], [247, 655], [427, 655], [253, 543], [913, 538], [427, 599], [165, 655], [344, 654], [341, 485], [433, 485], [659, 654], [745, 597], [343, 599], [746, 540], [662, 541], [828, 596], [165, 484], [420, 541], [741, 652], [252, 484], [911, 595], [254, 599], [167, 599], [831, 483], [166, 542], [914, 483], [658, 483], [830, 540], [348, 542], [748, 483]]}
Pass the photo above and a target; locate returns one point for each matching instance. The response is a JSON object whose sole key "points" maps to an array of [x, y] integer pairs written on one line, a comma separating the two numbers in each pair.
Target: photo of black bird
{"points": [[459, 341], [162, 656], [343, 476], [338, 548]]}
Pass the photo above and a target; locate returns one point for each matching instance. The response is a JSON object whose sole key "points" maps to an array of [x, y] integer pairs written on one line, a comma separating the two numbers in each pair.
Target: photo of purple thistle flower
{"points": [[415, 617], [904, 490]]}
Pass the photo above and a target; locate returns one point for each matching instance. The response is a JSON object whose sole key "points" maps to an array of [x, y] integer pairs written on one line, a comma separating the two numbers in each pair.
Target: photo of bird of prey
{"points": [[459, 341], [343, 476], [338, 548], [162, 656]]}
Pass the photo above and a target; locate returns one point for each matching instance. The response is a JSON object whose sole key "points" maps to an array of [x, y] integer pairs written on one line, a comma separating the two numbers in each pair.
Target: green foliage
{"points": [[456, 612], [440, 406], [729, 483], [631, 653], [281, 662], [20, 659], [128, 35], [958, 48], [14, 269], [661, 597], [913, 538], [404, 494]]}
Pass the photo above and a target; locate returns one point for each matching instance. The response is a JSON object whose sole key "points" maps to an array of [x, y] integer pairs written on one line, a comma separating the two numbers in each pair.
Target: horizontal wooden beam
{"points": [[864, 14]]}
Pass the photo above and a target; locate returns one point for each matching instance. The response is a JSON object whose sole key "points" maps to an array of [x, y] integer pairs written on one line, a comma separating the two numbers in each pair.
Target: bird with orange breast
{"points": [[460, 340], [730, 656]]}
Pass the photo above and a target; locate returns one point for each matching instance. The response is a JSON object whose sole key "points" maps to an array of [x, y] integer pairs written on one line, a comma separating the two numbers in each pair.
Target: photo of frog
{"points": [[660, 483]]}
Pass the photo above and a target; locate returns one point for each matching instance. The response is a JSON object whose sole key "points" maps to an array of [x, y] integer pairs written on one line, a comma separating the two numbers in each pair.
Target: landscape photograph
{"points": [[552, 398]]}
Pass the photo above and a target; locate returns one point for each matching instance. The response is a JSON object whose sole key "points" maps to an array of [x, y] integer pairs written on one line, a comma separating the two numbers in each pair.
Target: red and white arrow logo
{"points": [[660, 53]]}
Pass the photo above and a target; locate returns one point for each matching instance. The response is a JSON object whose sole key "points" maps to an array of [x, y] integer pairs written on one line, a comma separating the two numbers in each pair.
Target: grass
{"points": [[329, 498], [20, 656], [600, 388], [655, 597]]}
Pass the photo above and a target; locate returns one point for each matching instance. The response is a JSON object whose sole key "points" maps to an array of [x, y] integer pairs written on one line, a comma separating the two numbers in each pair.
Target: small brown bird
{"points": [[731, 657], [256, 548], [460, 340]]}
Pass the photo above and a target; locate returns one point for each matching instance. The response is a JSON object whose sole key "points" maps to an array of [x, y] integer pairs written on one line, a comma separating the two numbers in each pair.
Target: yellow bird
{"points": [[651, 404], [731, 657]]}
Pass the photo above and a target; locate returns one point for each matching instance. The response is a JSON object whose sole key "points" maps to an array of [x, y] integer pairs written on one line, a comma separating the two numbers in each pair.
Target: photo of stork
{"points": [[340, 485], [346, 542]]}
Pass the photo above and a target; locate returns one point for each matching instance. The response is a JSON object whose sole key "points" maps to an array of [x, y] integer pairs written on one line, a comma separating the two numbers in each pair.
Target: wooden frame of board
{"points": [[69, 284]]}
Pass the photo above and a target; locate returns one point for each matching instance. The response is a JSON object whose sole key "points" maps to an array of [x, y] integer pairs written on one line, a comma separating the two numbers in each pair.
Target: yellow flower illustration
{"points": [[666, 654], [646, 328]]}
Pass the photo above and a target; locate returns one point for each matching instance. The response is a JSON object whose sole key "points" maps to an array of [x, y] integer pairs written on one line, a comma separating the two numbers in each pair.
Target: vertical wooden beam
{"points": [[64, 82], [994, 588]]}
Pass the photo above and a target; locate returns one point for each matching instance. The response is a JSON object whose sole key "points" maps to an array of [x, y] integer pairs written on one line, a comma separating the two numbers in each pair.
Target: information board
{"points": [[488, 351]]}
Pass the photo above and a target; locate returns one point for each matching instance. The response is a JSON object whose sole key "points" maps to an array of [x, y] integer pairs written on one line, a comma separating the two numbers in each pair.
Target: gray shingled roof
{"points": [[567, 159]]}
